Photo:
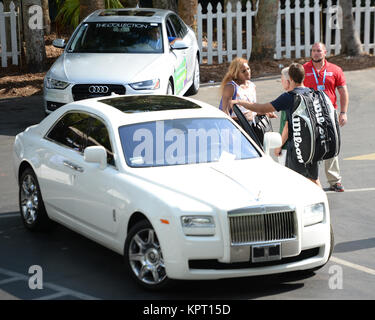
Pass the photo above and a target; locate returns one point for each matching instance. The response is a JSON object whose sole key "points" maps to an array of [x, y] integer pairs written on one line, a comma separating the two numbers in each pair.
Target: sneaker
{"points": [[337, 187]]}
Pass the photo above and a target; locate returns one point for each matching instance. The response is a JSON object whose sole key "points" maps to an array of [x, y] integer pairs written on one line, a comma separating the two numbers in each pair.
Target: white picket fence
{"points": [[297, 29], [9, 18]]}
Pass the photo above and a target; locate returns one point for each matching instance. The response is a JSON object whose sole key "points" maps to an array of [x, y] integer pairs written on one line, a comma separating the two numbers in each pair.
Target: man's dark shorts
{"points": [[310, 171]]}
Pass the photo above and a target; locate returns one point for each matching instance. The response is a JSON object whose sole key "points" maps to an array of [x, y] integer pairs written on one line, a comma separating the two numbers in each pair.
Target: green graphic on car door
{"points": [[180, 76]]}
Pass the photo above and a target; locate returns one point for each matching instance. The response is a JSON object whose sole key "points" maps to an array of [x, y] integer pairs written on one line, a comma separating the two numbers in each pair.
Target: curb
{"points": [[214, 84]]}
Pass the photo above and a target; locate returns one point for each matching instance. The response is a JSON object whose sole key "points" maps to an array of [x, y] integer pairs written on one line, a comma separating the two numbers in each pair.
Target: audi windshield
{"points": [[184, 141], [118, 37]]}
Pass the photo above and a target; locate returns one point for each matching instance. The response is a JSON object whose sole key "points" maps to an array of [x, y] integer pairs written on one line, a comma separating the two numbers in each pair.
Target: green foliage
{"points": [[68, 11]]}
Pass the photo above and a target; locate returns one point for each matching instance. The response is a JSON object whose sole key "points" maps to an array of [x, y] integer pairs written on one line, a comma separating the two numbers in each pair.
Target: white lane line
{"points": [[51, 296], [9, 280], [353, 265], [353, 190], [61, 291], [69, 292]]}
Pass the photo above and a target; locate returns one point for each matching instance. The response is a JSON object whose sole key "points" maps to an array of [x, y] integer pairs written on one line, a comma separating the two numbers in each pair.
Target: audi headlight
{"points": [[146, 85], [56, 84], [198, 225], [313, 214]]}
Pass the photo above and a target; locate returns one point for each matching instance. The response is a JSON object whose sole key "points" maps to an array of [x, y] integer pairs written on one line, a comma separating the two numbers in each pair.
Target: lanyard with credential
{"points": [[320, 87]]}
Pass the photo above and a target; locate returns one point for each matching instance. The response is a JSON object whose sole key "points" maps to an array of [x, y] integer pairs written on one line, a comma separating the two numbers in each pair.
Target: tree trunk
{"points": [[86, 7], [166, 4], [186, 10], [265, 30], [35, 51], [46, 18], [350, 42]]}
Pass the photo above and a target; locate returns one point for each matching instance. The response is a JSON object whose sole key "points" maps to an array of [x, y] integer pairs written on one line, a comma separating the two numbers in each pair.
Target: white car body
{"points": [[100, 202], [116, 71]]}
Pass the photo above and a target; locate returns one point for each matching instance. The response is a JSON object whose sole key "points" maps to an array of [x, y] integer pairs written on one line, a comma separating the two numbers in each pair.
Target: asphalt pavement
{"points": [[77, 268]]}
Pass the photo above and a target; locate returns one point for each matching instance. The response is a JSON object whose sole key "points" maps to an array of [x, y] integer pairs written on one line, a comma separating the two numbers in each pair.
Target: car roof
{"points": [[130, 109], [128, 14]]}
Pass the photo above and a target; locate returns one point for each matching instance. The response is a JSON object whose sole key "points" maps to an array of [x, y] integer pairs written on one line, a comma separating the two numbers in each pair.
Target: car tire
{"points": [[143, 257], [196, 79], [32, 209]]}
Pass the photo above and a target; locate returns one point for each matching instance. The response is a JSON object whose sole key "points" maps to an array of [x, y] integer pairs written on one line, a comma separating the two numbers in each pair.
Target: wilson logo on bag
{"points": [[315, 128]]}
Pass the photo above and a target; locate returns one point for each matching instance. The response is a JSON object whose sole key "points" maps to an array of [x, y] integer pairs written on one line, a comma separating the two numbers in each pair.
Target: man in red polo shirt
{"points": [[323, 75]]}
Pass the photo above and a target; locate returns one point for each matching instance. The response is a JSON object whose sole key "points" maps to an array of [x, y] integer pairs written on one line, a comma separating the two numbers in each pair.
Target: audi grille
{"points": [[86, 91]]}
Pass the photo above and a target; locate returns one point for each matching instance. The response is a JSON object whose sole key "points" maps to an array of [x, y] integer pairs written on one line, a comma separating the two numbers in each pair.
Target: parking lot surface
{"points": [[76, 268]]}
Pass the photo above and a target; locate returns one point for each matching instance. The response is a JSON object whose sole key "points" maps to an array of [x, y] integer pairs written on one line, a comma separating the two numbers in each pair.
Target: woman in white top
{"points": [[237, 85]]}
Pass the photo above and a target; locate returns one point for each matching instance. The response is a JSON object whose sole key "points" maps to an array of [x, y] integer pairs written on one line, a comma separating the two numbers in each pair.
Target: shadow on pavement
{"points": [[70, 260]]}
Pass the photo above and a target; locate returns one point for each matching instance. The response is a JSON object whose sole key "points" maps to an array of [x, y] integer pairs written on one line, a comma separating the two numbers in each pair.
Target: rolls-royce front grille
{"points": [[86, 91], [261, 227]]}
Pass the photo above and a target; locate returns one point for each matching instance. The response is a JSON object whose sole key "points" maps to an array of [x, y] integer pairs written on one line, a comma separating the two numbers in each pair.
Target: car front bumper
{"points": [[202, 257], [56, 98]]}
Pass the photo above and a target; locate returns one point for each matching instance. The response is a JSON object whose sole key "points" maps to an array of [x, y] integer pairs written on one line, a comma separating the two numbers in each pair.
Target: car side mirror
{"points": [[179, 45], [59, 43], [271, 140], [96, 154]]}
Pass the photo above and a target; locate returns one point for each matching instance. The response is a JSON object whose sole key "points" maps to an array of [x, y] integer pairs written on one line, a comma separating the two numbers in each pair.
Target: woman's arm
{"points": [[227, 98]]}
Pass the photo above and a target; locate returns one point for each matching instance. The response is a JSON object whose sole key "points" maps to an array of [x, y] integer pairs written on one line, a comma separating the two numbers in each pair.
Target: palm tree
{"points": [[69, 10], [46, 18]]}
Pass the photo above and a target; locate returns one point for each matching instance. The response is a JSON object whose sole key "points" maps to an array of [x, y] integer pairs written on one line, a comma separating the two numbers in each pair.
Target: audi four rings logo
{"points": [[98, 89]]}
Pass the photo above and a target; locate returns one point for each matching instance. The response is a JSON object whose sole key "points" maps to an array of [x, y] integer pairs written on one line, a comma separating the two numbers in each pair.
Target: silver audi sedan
{"points": [[124, 51]]}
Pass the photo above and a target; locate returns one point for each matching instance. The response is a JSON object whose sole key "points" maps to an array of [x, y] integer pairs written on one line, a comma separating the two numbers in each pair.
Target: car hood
{"points": [[234, 184], [106, 68]]}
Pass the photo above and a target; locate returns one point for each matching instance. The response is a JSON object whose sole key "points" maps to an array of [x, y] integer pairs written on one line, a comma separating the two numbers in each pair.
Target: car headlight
{"points": [[56, 84], [146, 85], [198, 225], [313, 214]]}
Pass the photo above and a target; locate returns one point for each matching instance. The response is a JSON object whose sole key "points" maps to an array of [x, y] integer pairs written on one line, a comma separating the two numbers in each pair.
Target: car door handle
{"points": [[73, 166]]}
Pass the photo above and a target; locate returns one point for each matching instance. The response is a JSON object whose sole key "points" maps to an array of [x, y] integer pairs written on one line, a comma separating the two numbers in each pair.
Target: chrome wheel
{"points": [[145, 257], [29, 199], [33, 212]]}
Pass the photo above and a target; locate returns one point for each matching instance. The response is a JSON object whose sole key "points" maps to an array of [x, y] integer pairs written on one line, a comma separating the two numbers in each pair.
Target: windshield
{"points": [[184, 141], [118, 37]]}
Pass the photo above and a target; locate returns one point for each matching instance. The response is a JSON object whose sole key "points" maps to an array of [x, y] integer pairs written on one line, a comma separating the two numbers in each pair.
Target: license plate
{"points": [[266, 252]]}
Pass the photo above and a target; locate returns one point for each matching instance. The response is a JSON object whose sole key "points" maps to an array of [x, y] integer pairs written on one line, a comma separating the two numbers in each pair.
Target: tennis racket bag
{"points": [[315, 128]]}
